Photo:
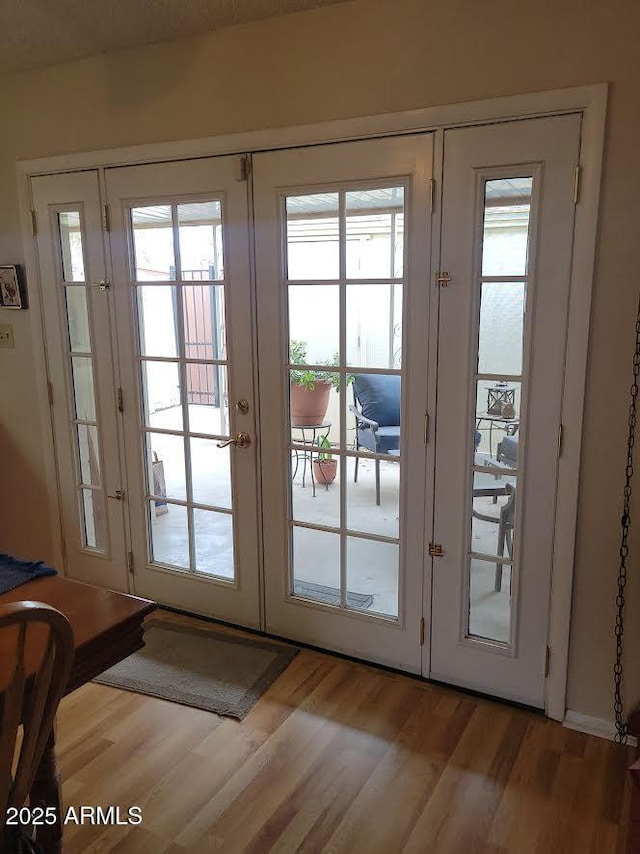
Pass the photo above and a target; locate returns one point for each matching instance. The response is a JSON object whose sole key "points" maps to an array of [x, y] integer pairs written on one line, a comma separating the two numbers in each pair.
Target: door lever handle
{"points": [[119, 496], [240, 440]]}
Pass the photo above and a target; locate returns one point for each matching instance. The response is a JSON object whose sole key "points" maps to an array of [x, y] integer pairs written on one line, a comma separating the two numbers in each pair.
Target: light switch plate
{"points": [[6, 336]]}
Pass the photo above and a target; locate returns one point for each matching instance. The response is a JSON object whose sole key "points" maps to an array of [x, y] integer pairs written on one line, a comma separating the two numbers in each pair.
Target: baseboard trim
{"points": [[593, 726]]}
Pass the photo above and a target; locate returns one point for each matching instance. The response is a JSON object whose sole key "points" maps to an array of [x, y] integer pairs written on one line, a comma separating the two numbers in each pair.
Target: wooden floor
{"points": [[338, 757]]}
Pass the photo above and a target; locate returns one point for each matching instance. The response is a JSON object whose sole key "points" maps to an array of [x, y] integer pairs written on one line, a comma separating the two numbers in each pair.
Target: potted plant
{"points": [[325, 466], [310, 388]]}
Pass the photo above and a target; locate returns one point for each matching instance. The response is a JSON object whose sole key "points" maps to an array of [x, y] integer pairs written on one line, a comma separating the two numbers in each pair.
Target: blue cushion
{"points": [[384, 440], [379, 397]]}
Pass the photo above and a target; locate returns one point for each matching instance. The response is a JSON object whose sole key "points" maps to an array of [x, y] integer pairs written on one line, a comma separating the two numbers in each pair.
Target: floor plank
{"points": [[337, 757]]}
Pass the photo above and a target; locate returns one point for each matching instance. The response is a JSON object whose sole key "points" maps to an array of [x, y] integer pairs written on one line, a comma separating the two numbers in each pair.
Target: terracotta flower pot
{"points": [[309, 406], [325, 471]]}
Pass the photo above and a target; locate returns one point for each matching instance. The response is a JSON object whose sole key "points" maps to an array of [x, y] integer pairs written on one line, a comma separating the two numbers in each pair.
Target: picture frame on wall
{"points": [[12, 291]]}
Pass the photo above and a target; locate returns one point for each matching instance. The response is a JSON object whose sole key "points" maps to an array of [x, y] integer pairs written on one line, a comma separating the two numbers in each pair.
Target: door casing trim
{"points": [[590, 101]]}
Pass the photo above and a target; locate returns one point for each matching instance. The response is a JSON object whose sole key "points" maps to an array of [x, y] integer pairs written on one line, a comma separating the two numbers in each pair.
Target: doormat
{"points": [[201, 668], [331, 595]]}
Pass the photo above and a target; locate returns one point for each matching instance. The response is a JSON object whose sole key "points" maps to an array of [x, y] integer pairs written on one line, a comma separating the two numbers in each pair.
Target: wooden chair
{"points": [[32, 682]]}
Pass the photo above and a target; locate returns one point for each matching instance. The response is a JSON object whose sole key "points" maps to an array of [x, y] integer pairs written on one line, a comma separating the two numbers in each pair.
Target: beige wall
{"points": [[360, 58]]}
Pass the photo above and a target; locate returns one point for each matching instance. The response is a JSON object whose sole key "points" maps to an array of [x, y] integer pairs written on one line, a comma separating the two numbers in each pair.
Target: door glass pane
{"points": [[71, 249], [165, 466], [200, 226], [214, 543], [89, 454], [374, 326], [203, 310], [372, 576], [207, 399], [364, 513], [497, 420], [94, 518], [494, 513], [210, 473], [169, 534], [157, 326], [312, 236], [82, 370], [374, 230], [505, 239], [490, 600], [500, 341], [314, 324], [154, 257], [315, 408], [161, 381], [316, 562], [315, 485], [78, 319]]}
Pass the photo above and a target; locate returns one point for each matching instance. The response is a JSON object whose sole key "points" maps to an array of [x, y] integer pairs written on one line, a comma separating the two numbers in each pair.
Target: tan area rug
{"points": [[201, 668]]}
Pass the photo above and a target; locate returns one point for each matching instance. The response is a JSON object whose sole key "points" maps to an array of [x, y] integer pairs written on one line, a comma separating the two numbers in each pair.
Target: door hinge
{"points": [[130, 562], [426, 427], [63, 549], [441, 278], [432, 194], [106, 219], [34, 223], [421, 631], [50, 392], [576, 185], [547, 659], [560, 440], [120, 401], [245, 167], [435, 550]]}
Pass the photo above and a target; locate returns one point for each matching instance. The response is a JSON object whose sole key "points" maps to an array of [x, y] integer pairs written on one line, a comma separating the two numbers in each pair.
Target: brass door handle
{"points": [[240, 440], [119, 496]]}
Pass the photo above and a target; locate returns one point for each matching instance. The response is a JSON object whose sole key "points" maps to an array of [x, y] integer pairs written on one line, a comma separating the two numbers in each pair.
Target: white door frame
{"points": [[590, 100]]}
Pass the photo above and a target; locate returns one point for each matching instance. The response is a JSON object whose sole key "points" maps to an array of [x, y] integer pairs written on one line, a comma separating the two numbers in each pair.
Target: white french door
{"points": [[429, 547], [342, 250], [77, 307], [182, 286], [507, 230]]}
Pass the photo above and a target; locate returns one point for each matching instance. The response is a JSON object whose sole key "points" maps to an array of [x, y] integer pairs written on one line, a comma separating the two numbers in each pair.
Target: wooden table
{"points": [[107, 627]]}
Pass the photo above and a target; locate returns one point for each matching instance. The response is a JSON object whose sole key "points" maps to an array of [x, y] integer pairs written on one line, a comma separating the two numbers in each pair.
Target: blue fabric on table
{"points": [[14, 572]]}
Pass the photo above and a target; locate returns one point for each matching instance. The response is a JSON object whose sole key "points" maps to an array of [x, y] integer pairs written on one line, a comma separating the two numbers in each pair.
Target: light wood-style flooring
{"points": [[338, 757]]}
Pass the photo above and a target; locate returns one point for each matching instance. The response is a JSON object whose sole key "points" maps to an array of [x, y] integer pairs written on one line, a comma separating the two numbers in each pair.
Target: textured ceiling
{"points": [[44, 32]]}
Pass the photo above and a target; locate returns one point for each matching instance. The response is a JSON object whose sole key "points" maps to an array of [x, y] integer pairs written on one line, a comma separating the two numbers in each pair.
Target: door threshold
{"points": [[468, 692]]}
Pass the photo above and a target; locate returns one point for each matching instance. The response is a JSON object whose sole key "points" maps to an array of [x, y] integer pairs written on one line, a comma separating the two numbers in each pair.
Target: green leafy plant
{"points": [[307, 376], [323, 442]]}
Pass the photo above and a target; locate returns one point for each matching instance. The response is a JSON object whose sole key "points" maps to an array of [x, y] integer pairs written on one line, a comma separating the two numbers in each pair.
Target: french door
{"points": [[182, 283], [77, 306], [436, 324], [507, 230], [342, 249]]}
